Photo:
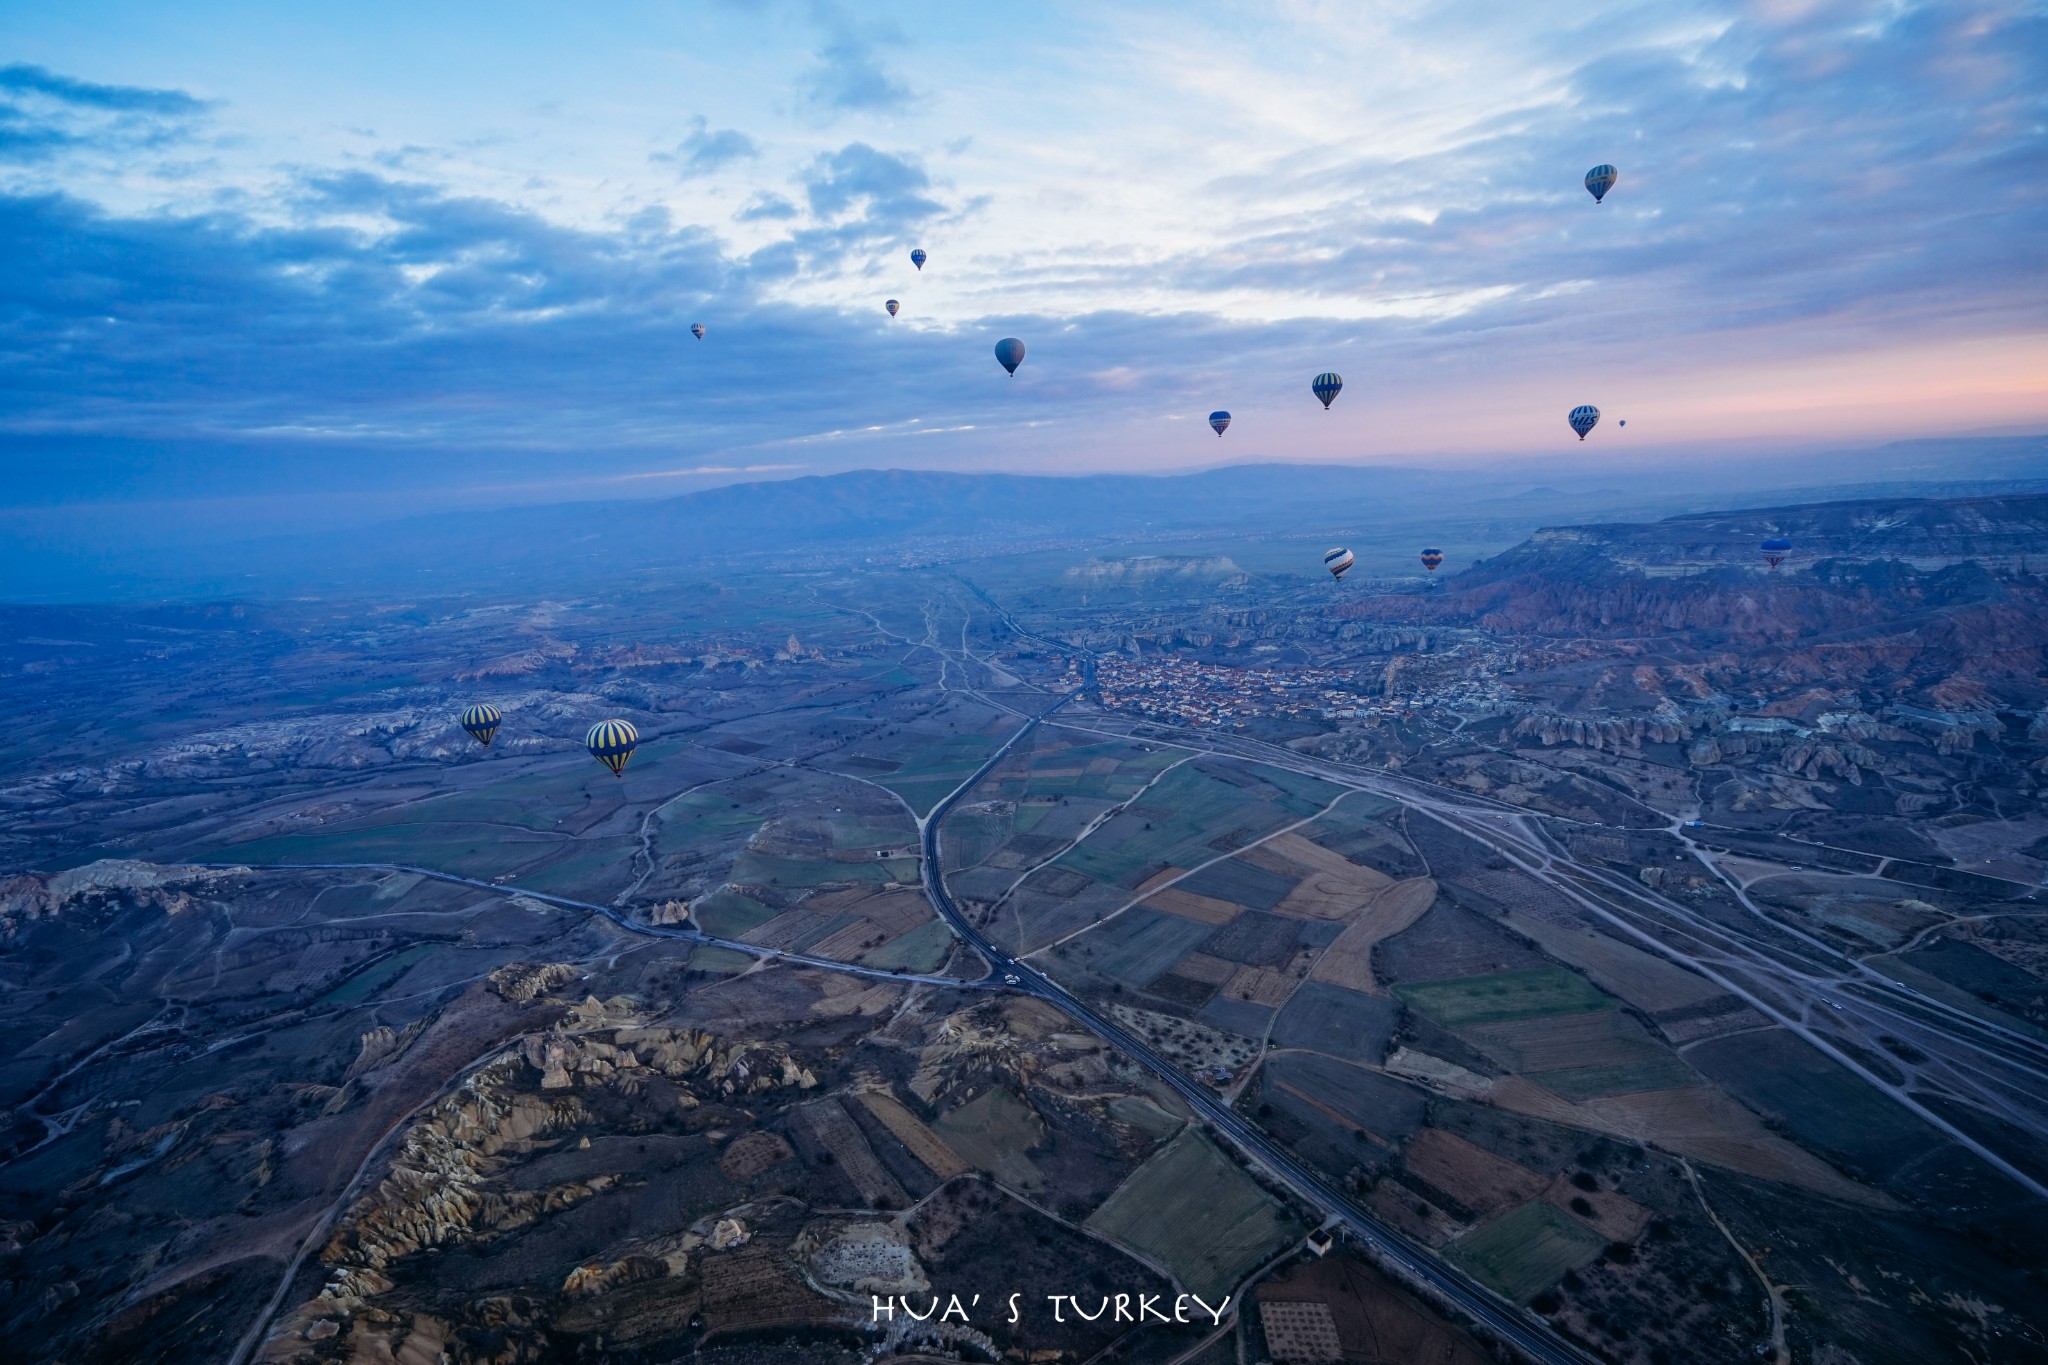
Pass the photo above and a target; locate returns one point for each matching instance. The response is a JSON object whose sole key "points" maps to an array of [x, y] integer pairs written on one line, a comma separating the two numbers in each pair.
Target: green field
{"points": [[920, 950], [728, 914], [1174, 826], [377, 976], [1211, 1240], [1463, 1001], [1622, 1078], [992, 1132], [755, 868], [1525, 1250]]}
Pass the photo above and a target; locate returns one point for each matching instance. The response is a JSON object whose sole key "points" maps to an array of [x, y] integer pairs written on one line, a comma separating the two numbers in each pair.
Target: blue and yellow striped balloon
{"points": [[482, 723], [612, 743], [1601, 179]]}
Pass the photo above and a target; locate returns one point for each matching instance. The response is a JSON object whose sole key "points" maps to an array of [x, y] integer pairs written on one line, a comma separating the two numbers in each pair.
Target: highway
{"points": [[1495, 1316]]}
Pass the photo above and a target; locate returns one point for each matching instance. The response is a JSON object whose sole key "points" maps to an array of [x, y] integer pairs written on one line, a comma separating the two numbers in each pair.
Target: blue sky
{"points": [[400, 254]]}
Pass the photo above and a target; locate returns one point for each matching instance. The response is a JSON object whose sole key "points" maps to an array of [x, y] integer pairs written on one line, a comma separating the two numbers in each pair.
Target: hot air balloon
{"points": [[1327, 387], [917, 257], [1601, 179], [612, 743], [1432, 557], [1219, 420], [892, 306], [1775, 549], [1337, 561], [482, 723], [1010, 352], [697, 330], [1622, 423], [1584, 418]]}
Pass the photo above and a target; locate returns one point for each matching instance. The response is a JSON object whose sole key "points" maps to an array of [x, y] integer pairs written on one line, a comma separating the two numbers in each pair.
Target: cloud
{"points": [[849, 75], [706, 150], [767, 208], [890, 188], [34, 80], [43, 114]]}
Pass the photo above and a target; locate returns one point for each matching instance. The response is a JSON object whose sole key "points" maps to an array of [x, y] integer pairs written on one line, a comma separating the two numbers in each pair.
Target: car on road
{"points": [[1012, 979]]}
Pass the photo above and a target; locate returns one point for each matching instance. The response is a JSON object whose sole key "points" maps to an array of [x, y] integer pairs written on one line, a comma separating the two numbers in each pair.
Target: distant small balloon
{"points": [[697, 330], [1337, 561], [482, 723], [1432, 557], [612, 742], [1010, 352], [1601, 179], [1622, 423], [892, 306], [1775, 550], [1219, 420], [1327, 386], [918, 258], [1584, 418]]}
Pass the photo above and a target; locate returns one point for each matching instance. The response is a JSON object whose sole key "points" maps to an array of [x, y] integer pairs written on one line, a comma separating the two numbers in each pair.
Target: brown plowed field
{"points": [[1470, 1174], [1615, 1216], [927, 1146], [1262, 985], [1187, 905], [1348, 961], [1694, 1120]]}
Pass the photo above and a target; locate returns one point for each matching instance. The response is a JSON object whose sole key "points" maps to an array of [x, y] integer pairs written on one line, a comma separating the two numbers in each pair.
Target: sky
{"points": [[260, 259]]}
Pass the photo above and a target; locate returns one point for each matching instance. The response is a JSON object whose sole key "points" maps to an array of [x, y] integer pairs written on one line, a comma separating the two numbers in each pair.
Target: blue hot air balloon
{"points": [[1219, 420], [1337, 561], [1775, 549], [482, 721], [1010, 352], [1601, 179], [1584, 418], [1327, 386], [697, 330], [1622, 423], [892, 306], [918, 258]]}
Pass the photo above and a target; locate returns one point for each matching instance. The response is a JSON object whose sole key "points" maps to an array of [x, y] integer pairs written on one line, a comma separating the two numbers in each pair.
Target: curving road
{"points": [[1496, 1316]]}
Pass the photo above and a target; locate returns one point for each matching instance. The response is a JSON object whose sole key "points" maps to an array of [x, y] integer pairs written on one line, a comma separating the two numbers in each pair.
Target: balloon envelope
{"points": [[892, 306], [1219, 420], [1432, 557], [917, 257], [1327, 386], [612, 742], [1583, 418], [1010, 352], [697, 330], [1775, 549], [482, 723], [1601, 179], [1337, 561]]}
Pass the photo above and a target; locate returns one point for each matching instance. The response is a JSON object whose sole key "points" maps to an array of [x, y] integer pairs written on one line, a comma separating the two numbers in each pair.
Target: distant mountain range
{"points": [[939, 515]]}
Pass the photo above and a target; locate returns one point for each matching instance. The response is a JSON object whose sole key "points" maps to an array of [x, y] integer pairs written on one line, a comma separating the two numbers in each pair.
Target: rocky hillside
{"points": [[1941, 600]]}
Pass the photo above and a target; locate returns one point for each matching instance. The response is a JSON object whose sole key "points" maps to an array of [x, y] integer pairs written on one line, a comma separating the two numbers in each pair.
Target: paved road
{"points": [[1495, 1315]]}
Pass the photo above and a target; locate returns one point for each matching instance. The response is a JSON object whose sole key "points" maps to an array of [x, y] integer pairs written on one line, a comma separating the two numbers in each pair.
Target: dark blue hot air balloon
{"points": [[1775, 549], [1010, 352], [917, 257], [892, 306], [1219, 420], [1584, 418], [1601, 179], [1327, 386]]}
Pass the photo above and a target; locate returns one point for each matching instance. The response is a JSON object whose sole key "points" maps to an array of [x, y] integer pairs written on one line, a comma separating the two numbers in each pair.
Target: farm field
{"points": [[993, 1132], [1209, 1243], [1523, 1252], [1534, 992], [1348, 961]]}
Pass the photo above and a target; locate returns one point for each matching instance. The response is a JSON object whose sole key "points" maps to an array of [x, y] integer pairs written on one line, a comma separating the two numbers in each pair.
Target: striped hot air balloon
{"points": [[1601, 179], [1219, 420], [1327, 386], [1583, 418], [482, 722], [917, 257], [612, 743], [1775, 549], [892, 306], [1337, 561], [1432, 557]]}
